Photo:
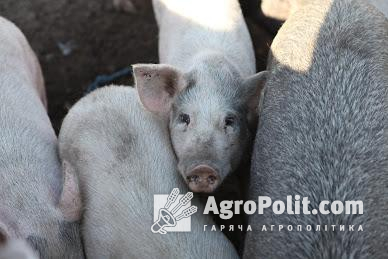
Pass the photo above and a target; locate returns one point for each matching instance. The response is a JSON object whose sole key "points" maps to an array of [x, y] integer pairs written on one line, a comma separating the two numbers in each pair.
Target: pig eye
{"points": [[229, 121], [184, 118]]}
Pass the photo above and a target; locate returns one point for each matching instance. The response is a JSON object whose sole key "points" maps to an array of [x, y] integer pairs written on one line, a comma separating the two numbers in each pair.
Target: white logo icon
{"points": [[163, 217]]}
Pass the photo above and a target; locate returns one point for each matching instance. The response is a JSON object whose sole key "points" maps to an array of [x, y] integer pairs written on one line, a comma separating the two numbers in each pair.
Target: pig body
{"points": [[205, 86], [123, 157], [32, 203], [322, 133]]}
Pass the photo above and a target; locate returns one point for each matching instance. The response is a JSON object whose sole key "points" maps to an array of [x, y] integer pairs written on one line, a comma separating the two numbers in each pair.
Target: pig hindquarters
{"points": [[322, 134], [123, 157], [33, 204]]}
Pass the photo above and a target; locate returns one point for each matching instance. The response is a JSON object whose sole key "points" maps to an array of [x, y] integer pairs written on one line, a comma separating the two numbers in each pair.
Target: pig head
{"points": [[210, 109]]}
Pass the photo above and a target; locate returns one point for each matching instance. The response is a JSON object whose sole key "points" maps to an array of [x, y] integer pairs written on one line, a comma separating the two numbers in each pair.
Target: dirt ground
{"points": [[77, 40]]}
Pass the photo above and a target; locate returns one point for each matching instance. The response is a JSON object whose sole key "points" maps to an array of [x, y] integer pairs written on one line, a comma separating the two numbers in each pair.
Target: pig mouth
{"points": [[202, 179]]}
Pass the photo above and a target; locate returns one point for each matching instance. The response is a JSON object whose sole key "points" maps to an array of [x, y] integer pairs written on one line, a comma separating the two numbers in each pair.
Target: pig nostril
{"points": [[193, 178], [211, 179]]}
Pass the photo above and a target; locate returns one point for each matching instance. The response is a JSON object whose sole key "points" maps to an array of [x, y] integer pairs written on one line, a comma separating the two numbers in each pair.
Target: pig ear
{"points": [[253, 85], [158, 85], [70, 201]]}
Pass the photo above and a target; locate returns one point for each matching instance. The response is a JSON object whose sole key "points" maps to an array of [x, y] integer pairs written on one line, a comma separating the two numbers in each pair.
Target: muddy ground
{"points": [[77, 40]]}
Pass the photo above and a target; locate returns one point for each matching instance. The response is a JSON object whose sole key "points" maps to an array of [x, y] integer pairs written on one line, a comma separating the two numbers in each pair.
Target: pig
{"points": [[205, 86], [123, 156], [124, 5], [282, 9], [381, 5], [17, 249], [322, 134], [277, 9], [39, 204]]}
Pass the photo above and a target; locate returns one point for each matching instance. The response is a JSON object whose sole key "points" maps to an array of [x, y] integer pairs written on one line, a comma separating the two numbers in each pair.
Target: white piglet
{"points": [[205, 86]]}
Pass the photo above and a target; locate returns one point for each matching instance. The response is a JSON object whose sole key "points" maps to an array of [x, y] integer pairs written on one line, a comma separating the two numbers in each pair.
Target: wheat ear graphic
{"points": [[172, 197], [182, 202], [187, 213]]}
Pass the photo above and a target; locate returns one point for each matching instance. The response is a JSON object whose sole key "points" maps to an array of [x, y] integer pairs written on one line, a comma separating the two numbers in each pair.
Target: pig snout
{"points": [[203, 179]]}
